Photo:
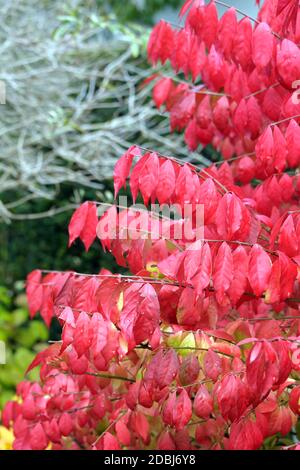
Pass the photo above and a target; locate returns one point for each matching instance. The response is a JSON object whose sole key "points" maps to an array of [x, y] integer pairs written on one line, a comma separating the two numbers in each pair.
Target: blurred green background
{"points": [[23, 339]]}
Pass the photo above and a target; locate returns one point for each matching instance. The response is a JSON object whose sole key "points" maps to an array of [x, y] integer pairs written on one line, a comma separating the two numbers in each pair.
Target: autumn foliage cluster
{"points": [[199, 346]]}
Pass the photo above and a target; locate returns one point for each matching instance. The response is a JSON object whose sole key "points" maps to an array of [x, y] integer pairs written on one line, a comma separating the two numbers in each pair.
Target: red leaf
{"points": [[43, 356], [284, 362], [177, 411], [260, 266], [197, 57], [132, 395], [240, 272], [122, 168], [233, 397], [288, 62], [168, 409], [38, 438], [166, 182], [108, 442], [212, 365], [67, 316], [160, 43], [107, 227], [280, 421], [181, 52], [161, 91], [65, 424], [99, 333], [292, 136], [201, 280], [166, 367], [272, 103], [227, 31], [165, 441], [233, 218], [29, 408], [243, 43], [261, 370], [208, 196], [240, 117], [189, 370], [294, 400], [182, 412], [288, 240], [288, 276], [141, 427], [171, 265], [185, 7], [210, 24], [263, 44], [100, 406], [254, 116], [123, 433], [223, 271], [147, 319], [34, 292], [245, 435], [203, 403], [221, 114], [135, 175], [82, 338], [279, 150], [83, 224], [272, 294], [192, 261], [282, 4]]}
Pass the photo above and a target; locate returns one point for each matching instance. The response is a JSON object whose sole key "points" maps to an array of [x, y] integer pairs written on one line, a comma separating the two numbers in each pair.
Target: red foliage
{"points": [[247, 75], [198, 347]]}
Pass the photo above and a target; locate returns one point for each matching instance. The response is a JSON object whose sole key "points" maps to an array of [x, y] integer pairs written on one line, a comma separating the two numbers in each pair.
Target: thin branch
{"points": [[256, 21], [108, 376], [123, 412], [285, 120]]}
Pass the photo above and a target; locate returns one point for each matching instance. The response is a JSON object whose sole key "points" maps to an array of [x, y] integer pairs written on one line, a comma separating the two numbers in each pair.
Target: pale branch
{"points": [[74, 104]]}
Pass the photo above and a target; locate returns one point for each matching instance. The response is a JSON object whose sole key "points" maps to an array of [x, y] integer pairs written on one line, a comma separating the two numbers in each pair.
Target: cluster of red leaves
{"points": [[134, 355], [199, 347], [96, 394], [248, 80]]}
